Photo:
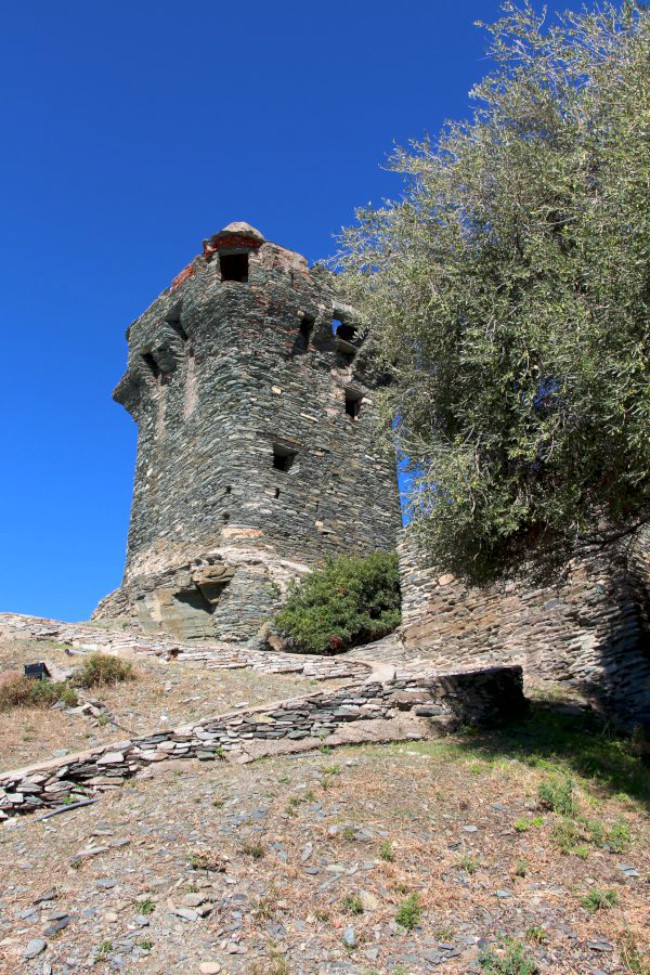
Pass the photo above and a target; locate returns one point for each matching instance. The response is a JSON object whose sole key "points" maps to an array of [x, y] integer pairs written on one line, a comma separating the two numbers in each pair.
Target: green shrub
{"points": [[410, 912], [100, 668], [25, 692], [350, 602], [514, 961], [599, 900]]}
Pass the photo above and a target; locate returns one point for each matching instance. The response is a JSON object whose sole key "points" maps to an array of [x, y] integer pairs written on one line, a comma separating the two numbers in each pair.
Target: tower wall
{"points": [[256, 450]]}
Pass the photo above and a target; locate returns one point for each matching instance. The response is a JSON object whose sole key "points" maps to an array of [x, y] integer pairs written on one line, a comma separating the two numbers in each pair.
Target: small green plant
{"points": [[634, 961], [253, 848], [599, 900], [522, 825], [350, 602], [409, 912], [557, 794], [103, 952], [513, 961], [146, 944], [618, 838], [100, 669], [76, 863], [102, 720], [351, 903], [386, 851], [469, 864], [146, 906], [536, 935], [582, 851], [348, 833], [521, 868], [322, 916]]}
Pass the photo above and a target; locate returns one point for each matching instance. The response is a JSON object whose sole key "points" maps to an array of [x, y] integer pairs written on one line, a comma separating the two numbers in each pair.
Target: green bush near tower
{"points": [[350, 602]]}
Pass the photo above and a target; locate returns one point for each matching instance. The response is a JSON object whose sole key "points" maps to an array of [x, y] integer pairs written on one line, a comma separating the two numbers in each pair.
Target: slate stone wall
{"points": [[477, 698], [590, 626], [229, 381]]}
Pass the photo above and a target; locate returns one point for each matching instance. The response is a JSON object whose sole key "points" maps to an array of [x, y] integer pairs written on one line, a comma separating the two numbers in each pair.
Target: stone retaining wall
{"points": [[590, 626], [475, 697]]}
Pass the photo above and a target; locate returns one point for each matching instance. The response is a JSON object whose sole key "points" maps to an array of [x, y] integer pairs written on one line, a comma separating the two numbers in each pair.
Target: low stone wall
{"points": [[474, 697], [590, 626]]}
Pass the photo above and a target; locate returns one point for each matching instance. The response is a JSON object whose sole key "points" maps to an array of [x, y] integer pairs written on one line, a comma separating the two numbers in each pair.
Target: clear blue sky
{"points": [[131, 131]]}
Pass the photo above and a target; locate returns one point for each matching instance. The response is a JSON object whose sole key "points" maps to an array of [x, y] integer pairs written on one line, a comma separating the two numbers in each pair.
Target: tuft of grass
{"points": [[599, 900], [146, 944], [557, 794], [633, 960], [536, 935], [253, 848], [513, 961], [103, 952], [206, 861], [386, 851], [409, 912], [276, 965], [267, 904], [351, 903], [25, 692], [469, 864], [146, 906], [101, 669]]}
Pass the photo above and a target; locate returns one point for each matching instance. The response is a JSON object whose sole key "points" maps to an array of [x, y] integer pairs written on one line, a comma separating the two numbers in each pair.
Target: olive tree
{"points": [[507, 292]]}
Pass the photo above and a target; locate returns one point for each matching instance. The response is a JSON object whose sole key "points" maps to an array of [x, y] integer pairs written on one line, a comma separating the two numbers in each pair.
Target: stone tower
{"points": [[255, 453]]}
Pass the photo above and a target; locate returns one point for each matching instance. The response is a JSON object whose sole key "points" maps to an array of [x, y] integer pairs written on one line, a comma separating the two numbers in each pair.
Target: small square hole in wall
{"points": [[352, 403], [234, 267], [283, 457]]}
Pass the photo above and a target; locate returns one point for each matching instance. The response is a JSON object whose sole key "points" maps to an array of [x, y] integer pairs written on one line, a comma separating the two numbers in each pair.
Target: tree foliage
{"points": [[350, 602], [507, 293]]}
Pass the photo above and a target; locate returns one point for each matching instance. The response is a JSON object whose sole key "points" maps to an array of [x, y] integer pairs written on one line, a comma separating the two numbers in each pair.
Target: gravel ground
{"points": [[300, 865]]}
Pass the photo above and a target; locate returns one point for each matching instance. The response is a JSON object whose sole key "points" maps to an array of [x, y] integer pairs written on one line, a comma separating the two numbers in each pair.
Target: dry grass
{"points": [[163, 696]]}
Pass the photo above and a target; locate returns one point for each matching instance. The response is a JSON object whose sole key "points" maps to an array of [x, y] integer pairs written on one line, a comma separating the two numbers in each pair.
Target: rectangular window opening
{"points": [[234, 267], [153, 366], [283, 457], [352, 404], [307, 328]]}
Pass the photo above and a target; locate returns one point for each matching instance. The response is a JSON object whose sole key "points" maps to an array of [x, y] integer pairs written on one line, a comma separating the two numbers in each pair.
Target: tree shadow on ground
{"points": [[570, 740]]}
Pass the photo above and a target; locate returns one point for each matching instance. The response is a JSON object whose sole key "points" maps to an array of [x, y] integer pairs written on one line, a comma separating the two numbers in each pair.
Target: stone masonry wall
{"points": [[479, 697], [590, 627], [256, 453]]}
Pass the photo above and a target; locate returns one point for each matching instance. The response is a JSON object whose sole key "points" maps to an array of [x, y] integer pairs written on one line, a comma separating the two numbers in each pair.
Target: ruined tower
{"points": [[256, 457]]}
